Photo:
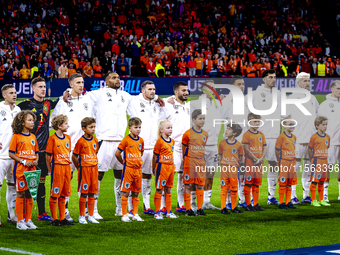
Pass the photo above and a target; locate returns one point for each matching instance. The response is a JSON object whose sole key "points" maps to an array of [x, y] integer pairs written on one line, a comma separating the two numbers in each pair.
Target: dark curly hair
{"points": [[19, 121]]}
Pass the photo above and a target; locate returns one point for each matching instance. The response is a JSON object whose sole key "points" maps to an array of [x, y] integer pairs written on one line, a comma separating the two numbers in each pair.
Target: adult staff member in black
{"points": [[42, 109]]}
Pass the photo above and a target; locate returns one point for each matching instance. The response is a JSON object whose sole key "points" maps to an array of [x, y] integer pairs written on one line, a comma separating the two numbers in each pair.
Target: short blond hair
{"points": [[58, 121]]}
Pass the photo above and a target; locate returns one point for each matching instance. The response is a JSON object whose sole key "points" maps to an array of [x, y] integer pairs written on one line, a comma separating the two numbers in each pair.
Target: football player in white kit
{"points": [[330, 108], [179, 115], [8, 110], [262, 100], [76, 109], [144, 107], [303, 131], [227, 113]]}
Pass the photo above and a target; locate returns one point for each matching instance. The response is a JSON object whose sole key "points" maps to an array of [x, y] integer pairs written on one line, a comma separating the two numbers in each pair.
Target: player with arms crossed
{"points": [[318, 153], [85, 159], [164, 168], [8, 110], [76, 109], [23, 149], [330, 108], [133, 148], [193, 147], [303, 131]]}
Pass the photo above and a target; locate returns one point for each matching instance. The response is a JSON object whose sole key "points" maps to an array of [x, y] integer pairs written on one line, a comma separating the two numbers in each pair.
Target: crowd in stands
{"points": [[55, 39]]}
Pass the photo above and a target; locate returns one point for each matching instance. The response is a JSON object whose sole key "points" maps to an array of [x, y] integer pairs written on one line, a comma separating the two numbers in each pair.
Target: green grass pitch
{"points": [[270, 230]]}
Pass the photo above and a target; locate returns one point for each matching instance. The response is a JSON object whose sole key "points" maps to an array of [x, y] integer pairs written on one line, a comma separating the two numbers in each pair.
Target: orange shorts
{"points": [[233, 182], [61, 180], [164, 175], [88, 179], [131, 180], [287, 174], [319, 169], [194, 171], [19, 177], [252, 173]]}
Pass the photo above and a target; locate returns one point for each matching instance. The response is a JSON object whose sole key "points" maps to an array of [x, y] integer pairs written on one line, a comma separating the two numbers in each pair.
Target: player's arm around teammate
{"points": [[23, 149], [163, 168], [85, 159]]}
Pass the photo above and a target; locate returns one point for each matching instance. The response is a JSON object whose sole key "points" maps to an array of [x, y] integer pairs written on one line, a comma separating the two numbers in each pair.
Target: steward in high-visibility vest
{"points": [[321, 70], [159, 70]]}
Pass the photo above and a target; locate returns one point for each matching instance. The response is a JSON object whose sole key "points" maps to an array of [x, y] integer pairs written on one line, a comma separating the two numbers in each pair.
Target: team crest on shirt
{"points": [[127, 185], [22, 184], [172, 148], [56, 190], [260, 139], [33, 142], [85, 186], [45, 108], [248, 178], [154, 109], [318, 176], [326, 142], [123, 100], [108, 94], [94, 146], [234, 150], [263, 94], [86, 106], [331, 105], [282, 179], [222, 182], [67, 145], [294, 142], [142, 105], [70, 104], [140, 146], [3, 113], [204, 138], [186, 177], [163, 182], [188, 112]]}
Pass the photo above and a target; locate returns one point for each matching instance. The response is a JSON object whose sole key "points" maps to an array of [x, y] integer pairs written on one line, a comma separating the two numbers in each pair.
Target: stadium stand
{"points": [[131, 37]]}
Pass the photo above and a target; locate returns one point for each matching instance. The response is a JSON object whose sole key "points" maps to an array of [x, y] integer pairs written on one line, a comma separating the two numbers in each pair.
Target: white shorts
{"points": [[6, 170], [301, 151], [270, 156], [178, 160], [211, 155], [147, 161], [106, 156], [333, 154]]}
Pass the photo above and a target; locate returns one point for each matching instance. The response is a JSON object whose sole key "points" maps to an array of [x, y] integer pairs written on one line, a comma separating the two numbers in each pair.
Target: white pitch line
{"points": [[335, 251], [19, 251]]}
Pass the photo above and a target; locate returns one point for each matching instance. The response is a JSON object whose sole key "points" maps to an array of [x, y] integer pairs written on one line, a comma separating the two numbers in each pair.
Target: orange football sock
{"points": [[247, 194], [320, 190], [19, 208], [288, 194], [200, 197], [233, 198], [28, 208], [187, 200], [53, 207], [168, 202], [157, 199], [61, 206], [135, 203], [124, 201], [82, 206], [223, 198], [282, 193], [255, 190], [90, 204], [313, 191]]}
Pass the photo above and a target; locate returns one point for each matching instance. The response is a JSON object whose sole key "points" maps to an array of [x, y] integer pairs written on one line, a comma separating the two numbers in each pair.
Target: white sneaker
{"points": [[82, 220], [126, 218], [86, 213], [137, 218], [339, 197], [30, 225], [130, 214], [118, 212], [171, 215], [14, 219], [194, 207], [210, 206], [325, 197], [68, 217], [91, 219], [97, 216], [21, 225], [158, 216]]}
